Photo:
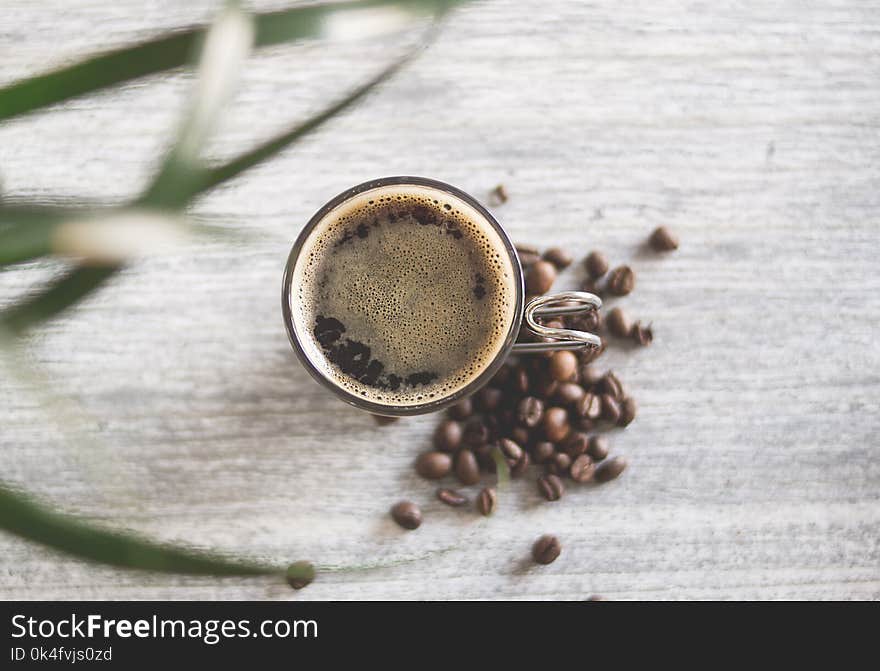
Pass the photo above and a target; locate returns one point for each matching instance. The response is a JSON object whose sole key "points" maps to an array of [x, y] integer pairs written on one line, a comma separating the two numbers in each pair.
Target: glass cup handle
{"points": [[552, 305]]}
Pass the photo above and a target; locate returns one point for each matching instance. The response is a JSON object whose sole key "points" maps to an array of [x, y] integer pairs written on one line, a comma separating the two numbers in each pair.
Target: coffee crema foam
{"points": [[403, 294]]}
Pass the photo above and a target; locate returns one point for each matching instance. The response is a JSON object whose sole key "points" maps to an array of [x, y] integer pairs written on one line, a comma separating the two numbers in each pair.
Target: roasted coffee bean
{"points": [[595, 287], [611, 385], [584, 424], [461, 410], [546, 549], [488, 398], [520, 434], [598, 448], [520, 466], [544, 386], [568, 394], [555, 424], [610, 409], [451, 497], [663, 240], [610, 469], [381, 420], [558, 464], [467, 470], [563, 365], [559, 257], [300, 574], [589, 321], [576, 444], [540, 277], [589, 375], [519, 380], [589, 407], [433, 465], [447, 436], [621, 281], [582, 469], [476, 433], [618, 323], [642, 335], [511, 451], [407, 514], [543, 451], [596, 264], [487, 501], [528, 255], [550, 486], [483, 453], [530, 411], [628, 409]]}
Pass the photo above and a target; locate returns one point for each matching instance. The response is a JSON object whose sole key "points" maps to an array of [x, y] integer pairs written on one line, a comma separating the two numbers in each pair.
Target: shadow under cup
{"points": [[299, 329]]}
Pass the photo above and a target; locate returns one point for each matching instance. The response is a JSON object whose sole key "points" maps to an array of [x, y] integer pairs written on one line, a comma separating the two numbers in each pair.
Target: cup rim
{"points": [[434, 404]]}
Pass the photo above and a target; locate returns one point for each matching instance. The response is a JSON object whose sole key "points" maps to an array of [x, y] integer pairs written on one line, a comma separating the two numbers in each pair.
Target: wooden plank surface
{"points": [[752, 129]]}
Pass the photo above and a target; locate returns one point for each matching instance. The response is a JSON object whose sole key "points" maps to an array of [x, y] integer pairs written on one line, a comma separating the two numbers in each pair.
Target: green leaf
{"points": [[175, 50], [29, 519]]}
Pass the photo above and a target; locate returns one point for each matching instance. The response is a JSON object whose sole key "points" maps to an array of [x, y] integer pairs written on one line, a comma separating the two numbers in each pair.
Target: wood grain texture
{"points": [[752, 129]]}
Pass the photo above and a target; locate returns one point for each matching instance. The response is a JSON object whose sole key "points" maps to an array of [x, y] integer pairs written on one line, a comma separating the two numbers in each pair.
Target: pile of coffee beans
{"points": [[545, 414]]}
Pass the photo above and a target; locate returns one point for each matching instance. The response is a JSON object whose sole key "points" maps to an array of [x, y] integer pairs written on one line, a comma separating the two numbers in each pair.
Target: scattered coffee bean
{"points": [[576, 444], [642, 335], [618, 323], [518, 468], [594, 287], [555, 424], [498, 195], [597, 448], [559, 257], [596, 264], [433, 465], [589, 321], [487, 501], [540, 277], [546, 549], [628, 409], [550, 486], [563, 365], [543, 451], [407, 514], [530, 411], [584, 424], [582, 469], [300, 574], [488, 398], [520, 434], [610, 409], [663, 240], [568, 393], [589, 375], [621, 281], [451, 497], [476, 433], [502, 377], [519, 380], [544, 385], [447, 436], [467, 470], [611, 385], [592, 353], [461, 410], [511, 451], [483, 453], [610, 469], [559, 464], [589, 407]]}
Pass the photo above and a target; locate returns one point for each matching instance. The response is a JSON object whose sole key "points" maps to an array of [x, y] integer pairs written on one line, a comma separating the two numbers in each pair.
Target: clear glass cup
{"points": [[550, 305]]}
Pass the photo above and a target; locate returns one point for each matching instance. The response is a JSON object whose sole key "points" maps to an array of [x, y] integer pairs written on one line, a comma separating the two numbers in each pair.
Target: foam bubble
{"points": [[413, 276]]}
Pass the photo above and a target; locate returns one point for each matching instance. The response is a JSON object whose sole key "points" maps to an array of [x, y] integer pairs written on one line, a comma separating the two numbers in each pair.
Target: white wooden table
{"points": [[752, 129]]}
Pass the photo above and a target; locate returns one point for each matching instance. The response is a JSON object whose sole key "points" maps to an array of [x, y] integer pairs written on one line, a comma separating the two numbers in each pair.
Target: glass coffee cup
{"points": [[403, 295]]}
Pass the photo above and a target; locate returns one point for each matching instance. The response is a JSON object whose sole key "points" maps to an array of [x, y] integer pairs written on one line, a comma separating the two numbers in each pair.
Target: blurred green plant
{"points": [[101, 239]]}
